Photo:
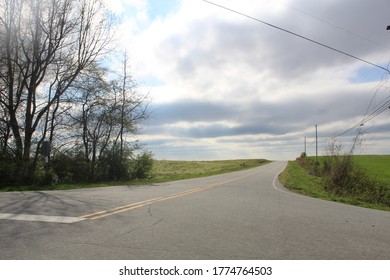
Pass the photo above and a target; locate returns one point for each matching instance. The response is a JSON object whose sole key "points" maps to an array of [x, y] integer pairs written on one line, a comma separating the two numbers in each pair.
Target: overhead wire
{"points": [[298, 35], [378, 110], [333, 24], [375, 92]]}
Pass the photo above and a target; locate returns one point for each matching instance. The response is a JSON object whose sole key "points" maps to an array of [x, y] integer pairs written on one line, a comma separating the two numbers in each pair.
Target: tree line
{"points": [[56, 92]]}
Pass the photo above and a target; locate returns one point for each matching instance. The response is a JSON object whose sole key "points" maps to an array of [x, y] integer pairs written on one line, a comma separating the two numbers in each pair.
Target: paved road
{"points": [[241, 215]]}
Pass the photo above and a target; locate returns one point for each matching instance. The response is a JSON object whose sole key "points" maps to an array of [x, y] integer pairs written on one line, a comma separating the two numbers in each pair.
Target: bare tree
{"points": [[105, 113], [92, 113], [45, 45], [132, 107]]}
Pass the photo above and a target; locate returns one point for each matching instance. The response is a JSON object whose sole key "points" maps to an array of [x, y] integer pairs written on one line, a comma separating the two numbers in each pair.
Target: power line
{"points": [[333, 25], [379, 110], [298, 35], [376, 112]]}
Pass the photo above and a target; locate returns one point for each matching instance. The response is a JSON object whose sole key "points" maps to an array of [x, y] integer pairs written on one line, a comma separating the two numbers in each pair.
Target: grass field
{"points": [[167, 170], [377, 166], [296, 178]]}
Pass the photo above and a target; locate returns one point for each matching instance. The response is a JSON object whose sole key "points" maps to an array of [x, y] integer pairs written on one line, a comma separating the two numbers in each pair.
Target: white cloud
{"points": [[221, 82]]}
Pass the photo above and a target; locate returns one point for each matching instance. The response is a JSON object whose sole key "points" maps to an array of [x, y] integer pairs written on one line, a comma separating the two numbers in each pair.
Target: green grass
{"points": [[376, 166], [296, 178], [167, 170], [164, 171]]}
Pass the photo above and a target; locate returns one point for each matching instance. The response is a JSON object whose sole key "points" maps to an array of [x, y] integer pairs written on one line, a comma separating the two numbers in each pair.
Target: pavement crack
{"points": [[152, 216], [150, 211], [156, 223], [145, 227]]}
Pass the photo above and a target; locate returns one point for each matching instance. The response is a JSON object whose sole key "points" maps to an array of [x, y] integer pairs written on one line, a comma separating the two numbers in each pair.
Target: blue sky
{"points": [[367, 74], [158, 8], [224, 86]]}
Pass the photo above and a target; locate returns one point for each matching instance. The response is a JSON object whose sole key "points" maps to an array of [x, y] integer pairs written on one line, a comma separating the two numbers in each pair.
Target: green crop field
{"points": [[377, 166]]}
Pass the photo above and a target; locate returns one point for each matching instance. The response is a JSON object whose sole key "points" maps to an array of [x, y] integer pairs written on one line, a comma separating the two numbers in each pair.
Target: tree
{"points": [[103, 116], [92, 115], [45, 45], [132, 107], [5, 130]]}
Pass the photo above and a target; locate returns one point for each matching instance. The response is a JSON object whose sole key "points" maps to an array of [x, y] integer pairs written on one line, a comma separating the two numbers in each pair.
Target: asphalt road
{"points": [[240, 215]]}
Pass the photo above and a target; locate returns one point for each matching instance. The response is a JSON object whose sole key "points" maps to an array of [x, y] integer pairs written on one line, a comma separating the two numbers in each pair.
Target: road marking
{"points": [[279, 189], [120, 209], [40, 218], [102, 214]]}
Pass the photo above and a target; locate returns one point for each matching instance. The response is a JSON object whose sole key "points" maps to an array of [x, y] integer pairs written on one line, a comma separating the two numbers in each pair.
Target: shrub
{"points": [[142, 166], [114, 165], [342, 176], [7, 172], [309, 164], [71, 167]]}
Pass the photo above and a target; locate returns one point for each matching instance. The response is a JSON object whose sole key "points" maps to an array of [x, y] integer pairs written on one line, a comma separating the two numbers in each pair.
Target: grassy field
{"points": [[297, 179], [167, 170], [376, 166]]}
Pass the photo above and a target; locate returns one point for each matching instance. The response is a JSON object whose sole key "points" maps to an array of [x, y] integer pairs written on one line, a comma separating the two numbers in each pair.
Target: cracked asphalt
{"points": [[240, 215]]}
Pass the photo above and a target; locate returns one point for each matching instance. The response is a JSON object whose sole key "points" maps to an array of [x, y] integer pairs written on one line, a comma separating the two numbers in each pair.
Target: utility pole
{"points": [[316, 144], [305, 147]]}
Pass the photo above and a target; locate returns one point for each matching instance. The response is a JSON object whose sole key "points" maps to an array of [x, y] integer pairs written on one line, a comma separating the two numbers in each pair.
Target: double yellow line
{"points": [[140, 204]]}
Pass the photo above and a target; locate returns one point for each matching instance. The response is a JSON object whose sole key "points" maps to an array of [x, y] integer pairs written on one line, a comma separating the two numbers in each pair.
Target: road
{"points": [[240, 215]]}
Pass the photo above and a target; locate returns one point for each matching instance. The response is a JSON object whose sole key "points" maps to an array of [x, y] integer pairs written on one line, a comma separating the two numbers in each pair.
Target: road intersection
{"points": [[239, 215]]}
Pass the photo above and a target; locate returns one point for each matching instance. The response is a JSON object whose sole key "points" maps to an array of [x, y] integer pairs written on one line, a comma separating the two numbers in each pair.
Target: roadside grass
{"points": [[167, 170], [297, 179], [162, 171]]}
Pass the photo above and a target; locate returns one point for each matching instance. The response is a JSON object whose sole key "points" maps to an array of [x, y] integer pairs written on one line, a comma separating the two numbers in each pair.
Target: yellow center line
{"points": [[120, 209]]}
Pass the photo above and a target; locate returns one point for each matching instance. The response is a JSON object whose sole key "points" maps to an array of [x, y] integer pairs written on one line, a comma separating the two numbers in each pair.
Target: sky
{"points": [[224, 86]]}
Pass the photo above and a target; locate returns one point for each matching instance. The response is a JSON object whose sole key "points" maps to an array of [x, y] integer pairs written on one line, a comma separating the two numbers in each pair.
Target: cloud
{"points": [[270, 116], [227, 83]]}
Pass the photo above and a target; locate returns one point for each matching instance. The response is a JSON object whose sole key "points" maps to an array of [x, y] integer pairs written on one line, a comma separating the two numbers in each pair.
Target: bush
{"points": [[7, 172], [310, 165], [15, 177], [71, 167], [114, 166], [142, 166], [342, 176]]}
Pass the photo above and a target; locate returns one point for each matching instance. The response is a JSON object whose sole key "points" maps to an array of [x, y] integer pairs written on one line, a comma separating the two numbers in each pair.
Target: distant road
{"points": [[240, 215]]}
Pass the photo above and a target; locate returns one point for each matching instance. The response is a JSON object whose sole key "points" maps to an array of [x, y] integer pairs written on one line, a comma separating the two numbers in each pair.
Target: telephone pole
{"points": [[316, 144]]}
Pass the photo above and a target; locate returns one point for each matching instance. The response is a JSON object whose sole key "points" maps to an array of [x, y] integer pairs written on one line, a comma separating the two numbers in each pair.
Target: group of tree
{"points": [[54, 90]]}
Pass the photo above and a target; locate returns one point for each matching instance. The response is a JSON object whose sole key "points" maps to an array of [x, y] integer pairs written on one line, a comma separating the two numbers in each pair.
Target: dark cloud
{"points": [[218, 119], [189, 110]]}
